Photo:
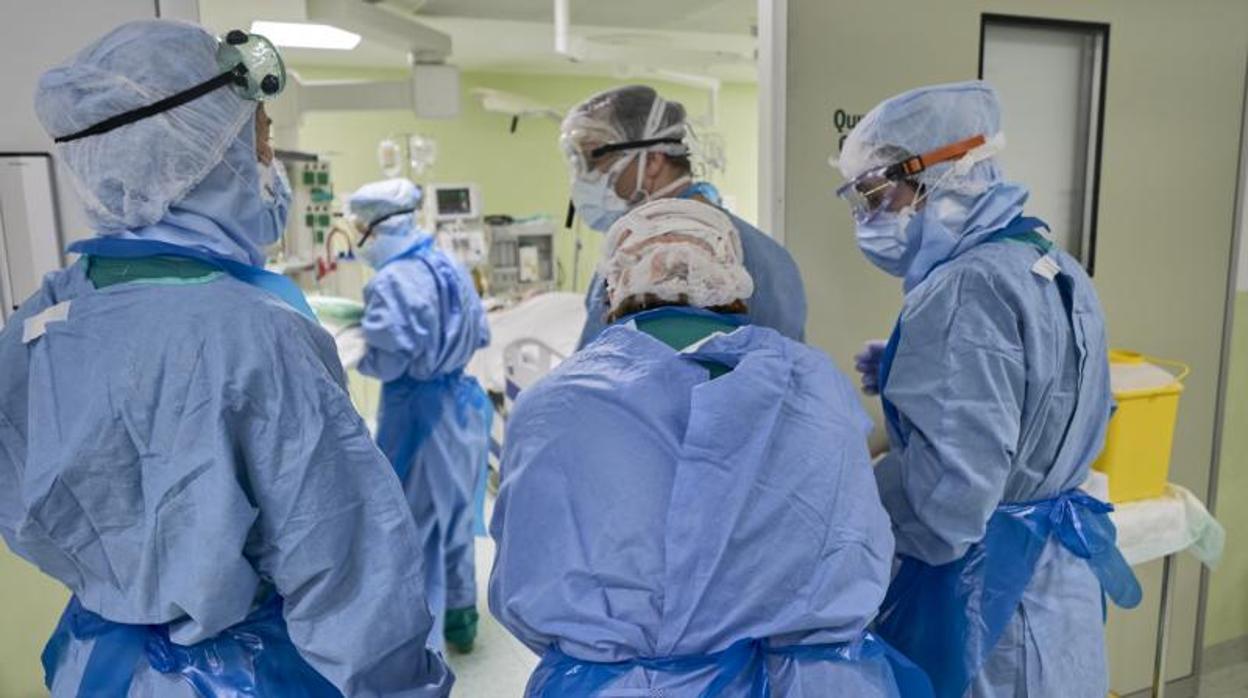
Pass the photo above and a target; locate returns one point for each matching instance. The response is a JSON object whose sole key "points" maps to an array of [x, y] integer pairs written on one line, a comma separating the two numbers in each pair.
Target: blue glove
{"points": [[867, 362]]}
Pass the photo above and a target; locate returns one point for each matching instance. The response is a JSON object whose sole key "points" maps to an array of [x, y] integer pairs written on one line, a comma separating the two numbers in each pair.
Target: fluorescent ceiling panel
{"points": [[304, 35]]}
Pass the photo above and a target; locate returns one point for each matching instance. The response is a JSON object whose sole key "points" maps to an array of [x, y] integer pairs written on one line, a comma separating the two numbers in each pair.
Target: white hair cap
{"points": [[631, 114], [677, 250]]}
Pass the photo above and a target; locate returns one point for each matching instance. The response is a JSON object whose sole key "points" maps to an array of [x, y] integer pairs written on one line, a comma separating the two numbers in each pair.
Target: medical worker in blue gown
{"points": [[176, 442], [687, 506], [627, 146], [422, 322], [996, 391]]}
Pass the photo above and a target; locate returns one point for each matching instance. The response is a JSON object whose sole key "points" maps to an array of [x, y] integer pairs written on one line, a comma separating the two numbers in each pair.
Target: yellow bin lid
{"points": [[1133, 375]]}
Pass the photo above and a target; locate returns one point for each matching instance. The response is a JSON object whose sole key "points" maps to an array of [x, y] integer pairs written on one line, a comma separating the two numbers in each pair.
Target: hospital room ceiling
{"points": [[639, 38]]}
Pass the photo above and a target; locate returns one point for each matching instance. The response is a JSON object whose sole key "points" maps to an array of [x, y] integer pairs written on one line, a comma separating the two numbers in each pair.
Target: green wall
{"points": [[1227, 615], [523, 173]]}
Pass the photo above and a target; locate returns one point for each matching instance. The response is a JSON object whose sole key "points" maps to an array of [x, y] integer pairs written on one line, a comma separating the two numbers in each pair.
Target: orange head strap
{"points": [[913, 166]]}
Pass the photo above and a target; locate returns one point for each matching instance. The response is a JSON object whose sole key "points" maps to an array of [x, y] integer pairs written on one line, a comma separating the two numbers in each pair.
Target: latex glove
{"points": [[867, 363]]}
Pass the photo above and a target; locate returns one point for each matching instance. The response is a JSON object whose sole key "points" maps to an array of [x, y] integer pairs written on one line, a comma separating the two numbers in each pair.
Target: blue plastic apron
{"points": [[254, 658], [276, 284], [560, 675], [411, 409], [949, 618]]}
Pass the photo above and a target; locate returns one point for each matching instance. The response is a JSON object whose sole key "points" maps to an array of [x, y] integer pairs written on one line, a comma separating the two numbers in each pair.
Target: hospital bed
{"points": [[527, 341]]}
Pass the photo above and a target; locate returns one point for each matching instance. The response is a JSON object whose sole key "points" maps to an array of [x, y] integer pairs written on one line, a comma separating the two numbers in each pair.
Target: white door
{"points": [[1049, 78]]}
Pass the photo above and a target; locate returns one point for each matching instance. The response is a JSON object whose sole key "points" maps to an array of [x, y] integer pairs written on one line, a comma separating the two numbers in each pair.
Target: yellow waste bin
{"points": [[1141, 434]]}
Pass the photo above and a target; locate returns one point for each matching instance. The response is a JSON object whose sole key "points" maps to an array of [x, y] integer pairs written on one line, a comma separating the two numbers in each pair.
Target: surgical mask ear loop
{"points": [[613, 174], [609, 176], [639, 193], [657, 107], [672, 186]]}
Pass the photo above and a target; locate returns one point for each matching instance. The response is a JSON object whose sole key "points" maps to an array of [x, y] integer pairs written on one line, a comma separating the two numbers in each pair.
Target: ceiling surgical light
{"points": [[306, 35]]}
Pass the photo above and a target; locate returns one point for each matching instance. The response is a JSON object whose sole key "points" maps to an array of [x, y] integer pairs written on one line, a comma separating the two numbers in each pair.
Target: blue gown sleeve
{"points": [[334, 532], [401, 323], [958, 382]]}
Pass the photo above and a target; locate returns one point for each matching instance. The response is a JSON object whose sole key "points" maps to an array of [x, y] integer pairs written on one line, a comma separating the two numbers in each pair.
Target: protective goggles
{"points": [[583, 162], [877, 189], [249, 64]]}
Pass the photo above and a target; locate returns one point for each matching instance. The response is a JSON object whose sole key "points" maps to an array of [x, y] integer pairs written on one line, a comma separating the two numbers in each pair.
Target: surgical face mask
{"points": [[888, 239], [275, 193], [596, 201]]}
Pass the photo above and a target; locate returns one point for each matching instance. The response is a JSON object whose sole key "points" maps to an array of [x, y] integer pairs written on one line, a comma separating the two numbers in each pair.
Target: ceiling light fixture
{"points": [[303, 35]]}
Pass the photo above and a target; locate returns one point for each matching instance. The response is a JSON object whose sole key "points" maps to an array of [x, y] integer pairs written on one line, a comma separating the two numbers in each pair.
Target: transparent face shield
{"points": [[250, 65], [575, 145], [891, 187], [585, 158]]}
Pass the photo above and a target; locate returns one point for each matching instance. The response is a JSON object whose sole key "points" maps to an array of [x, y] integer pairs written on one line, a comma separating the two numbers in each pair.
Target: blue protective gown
{"points": [[174, 452], [648, 512], [779, 299], [423, 321], [1002, 396]]}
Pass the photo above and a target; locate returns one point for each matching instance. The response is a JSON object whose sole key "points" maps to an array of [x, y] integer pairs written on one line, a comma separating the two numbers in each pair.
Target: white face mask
{"points": [[276, 195], [887, 239], [596, 201]]}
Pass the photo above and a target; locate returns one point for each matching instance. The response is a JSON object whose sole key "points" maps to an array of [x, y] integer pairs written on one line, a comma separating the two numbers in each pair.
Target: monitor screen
{"points": [[454, 202]]}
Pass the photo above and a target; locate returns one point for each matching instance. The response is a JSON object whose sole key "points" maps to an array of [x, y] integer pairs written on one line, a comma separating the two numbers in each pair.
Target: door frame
{"points": [[773, 87]]}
